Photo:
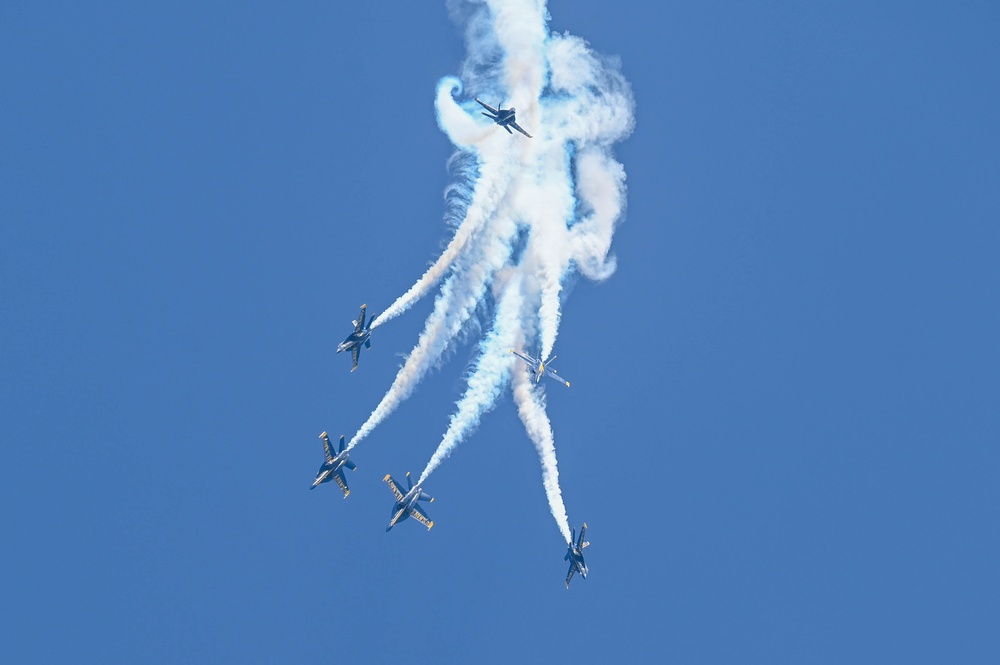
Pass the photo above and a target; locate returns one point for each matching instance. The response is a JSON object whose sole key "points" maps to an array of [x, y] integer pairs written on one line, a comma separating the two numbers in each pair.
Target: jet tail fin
{"points": [[341, 443], [409, 482]]}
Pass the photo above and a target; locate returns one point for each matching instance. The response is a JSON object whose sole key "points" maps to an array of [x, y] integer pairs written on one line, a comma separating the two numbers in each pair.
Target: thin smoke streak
{"points": [[491, 373]]}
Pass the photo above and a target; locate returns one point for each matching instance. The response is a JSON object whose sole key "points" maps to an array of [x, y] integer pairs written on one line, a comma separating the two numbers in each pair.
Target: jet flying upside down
{"points": [[503, 117]]}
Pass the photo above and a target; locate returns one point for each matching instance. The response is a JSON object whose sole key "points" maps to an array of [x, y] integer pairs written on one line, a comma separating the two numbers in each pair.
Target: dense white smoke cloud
{"points": [[534, 211]]}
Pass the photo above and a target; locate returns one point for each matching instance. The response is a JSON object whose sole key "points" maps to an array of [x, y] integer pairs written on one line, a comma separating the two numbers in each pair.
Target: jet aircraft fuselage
{"points": [[406, 502], [539, 368], [574, 554], [361, 335], [506, 118], [332, 467]]}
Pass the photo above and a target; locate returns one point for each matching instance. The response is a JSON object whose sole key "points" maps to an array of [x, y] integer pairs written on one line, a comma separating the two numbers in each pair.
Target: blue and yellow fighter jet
{"points": [[538, 368], [574, 554], [503, 117], [333, 467], [361, 335], [406, 504]]}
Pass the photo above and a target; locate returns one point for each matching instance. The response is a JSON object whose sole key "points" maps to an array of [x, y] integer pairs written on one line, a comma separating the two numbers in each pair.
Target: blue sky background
{"points": [[783, 423]]}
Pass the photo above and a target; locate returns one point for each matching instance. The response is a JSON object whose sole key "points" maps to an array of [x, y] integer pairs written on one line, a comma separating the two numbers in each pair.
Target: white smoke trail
{"points": [[459, 297], [487, 190], [547, 203], [533, 212], [521, 33], [531, 408], [601, 186], [489, 376], [590, 110]]}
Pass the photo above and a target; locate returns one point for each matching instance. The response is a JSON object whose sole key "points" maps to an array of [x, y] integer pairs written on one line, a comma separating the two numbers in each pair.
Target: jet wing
{"points": [[421, 516], [360, 323], [518, 128], [569, 575], [394, 487], [327, 447], [530, 361], [488, 107], [355, 354], [555, 376], [339, 478]]}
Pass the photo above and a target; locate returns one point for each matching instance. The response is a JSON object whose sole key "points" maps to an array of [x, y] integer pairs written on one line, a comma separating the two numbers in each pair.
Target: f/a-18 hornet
{"points": [[333, 467], [406, 504], [361, 335], [503, 117], [574, 554], [539, 368]]}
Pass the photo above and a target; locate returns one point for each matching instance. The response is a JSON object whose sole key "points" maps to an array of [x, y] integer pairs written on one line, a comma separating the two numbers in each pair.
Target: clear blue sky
{"points": [[783, 424]]}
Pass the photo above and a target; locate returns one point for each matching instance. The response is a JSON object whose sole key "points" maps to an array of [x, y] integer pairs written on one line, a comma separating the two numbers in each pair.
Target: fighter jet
{"points": [[538, 368], [406, 504], [333, 467], [361, 335], [574, 554], [503, 117]]}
